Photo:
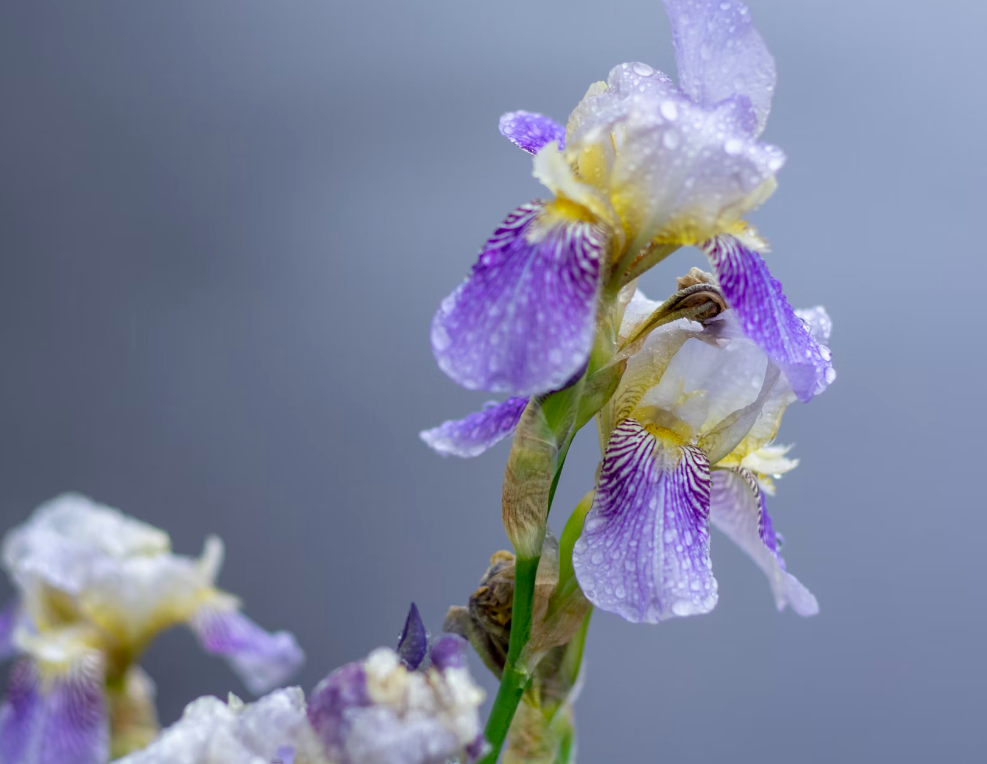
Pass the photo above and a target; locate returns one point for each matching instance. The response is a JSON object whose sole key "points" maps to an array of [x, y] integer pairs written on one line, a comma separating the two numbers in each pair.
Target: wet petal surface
{"points": [[531, 131], [737, 508], [767, 318], [522, 322], [719, 54], [644, 550], [477, 432]]}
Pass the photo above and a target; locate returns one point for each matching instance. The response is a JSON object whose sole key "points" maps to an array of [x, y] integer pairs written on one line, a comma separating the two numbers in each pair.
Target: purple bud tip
{"points": [[413, 645]]}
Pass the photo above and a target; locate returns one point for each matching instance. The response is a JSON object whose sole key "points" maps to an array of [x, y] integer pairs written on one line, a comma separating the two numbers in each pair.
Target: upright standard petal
{"points": [[719, 54], [531, 131], [413, 644], [674, 170], [477, 432], [261, 659], [644, 550], [522, 322], [767, 318], [737, 508], [55, 715]]}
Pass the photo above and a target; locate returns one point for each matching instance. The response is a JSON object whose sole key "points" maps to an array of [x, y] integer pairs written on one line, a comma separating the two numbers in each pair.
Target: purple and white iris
{"points": [[413, 705], [642, 167], [94, 588], [692, 422]]}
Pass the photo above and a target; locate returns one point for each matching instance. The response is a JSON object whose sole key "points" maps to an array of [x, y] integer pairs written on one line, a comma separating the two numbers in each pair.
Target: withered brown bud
{"points": [[486, 620], [695, 276], [697, 288]]}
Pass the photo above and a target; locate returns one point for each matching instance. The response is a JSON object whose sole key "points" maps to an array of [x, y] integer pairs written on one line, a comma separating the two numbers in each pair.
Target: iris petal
{"points": [[8, 623], [767, 318], [260, 658], [719, 54], [477, 432], [737, 508], [644, 550], [531, 131], [522, 322], [56, 717]]}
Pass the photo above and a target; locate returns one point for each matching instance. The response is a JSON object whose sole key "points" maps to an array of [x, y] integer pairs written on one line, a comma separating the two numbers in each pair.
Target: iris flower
{"points": [[642, 167], [413, 705], [688, 440], [94, 588]]}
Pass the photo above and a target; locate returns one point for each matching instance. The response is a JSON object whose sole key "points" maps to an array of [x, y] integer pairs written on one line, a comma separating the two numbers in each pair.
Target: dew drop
{"points": [[669, 110], [642, 69]]}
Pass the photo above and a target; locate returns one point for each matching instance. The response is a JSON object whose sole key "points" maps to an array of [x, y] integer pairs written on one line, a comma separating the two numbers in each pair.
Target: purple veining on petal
{"points": [[522, 322], [644, 550], [8, 622], [449, 651], [477, 432], [531, 131], [737, 508], [767, 318], [720, 54], [413, 644], [262, 659], [59, 722], [328, 705]]}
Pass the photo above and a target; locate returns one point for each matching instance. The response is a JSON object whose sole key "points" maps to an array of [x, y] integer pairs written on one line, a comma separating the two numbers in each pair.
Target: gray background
{"points": [[224, 227]]}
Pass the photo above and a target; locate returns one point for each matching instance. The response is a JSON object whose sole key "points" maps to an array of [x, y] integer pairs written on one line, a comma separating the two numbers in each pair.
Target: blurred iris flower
{"points": [[413, 705], [94, 588]]}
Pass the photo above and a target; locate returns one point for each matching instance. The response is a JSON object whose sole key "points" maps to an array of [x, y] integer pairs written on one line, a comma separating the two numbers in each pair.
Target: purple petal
{"points": [[449, 651], [8, 623], [478, 431], [719, 54], [644, 550], [531, 131], [331, 703], [767, 318], [522, 322], [413, 645], [737, 508], [56, 722], [263, 660]]}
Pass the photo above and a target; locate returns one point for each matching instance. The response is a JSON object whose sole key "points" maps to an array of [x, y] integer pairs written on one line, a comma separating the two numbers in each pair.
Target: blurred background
{"points": [[224, 228]]}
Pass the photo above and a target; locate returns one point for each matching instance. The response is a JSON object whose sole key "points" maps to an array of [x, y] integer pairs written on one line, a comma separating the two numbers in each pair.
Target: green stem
{"points": [[558, 474], [512, 686], [514, 680]]}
